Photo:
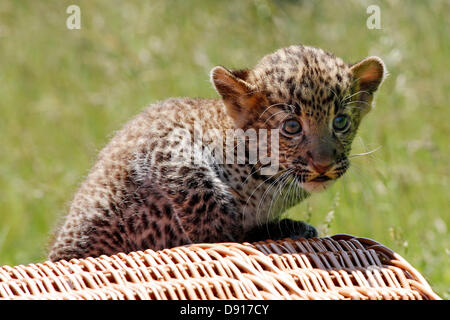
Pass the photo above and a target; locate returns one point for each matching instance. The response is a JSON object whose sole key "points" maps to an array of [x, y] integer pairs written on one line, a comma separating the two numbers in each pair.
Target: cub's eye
{"points": [[341, 123], [291, 127]]}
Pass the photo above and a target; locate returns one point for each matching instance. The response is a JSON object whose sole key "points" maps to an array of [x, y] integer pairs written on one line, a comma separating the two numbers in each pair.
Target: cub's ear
{"points": [[368, 75], [229, 84], [240, 97]]}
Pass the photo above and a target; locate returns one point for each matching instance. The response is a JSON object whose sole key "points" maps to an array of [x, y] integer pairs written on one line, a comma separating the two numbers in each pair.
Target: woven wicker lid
{"points": [[339, 267]]}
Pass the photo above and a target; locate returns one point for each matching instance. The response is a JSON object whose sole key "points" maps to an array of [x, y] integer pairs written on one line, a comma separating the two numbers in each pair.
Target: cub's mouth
{"points": [[316, 184], [321, 178], [313, 181]]}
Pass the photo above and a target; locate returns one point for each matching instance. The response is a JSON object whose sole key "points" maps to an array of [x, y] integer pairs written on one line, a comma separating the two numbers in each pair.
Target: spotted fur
{"points": [[139, 195]]}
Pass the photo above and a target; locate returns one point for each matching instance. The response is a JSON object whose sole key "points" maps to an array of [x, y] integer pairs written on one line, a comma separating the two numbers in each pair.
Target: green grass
{"points": [[64, 92]]}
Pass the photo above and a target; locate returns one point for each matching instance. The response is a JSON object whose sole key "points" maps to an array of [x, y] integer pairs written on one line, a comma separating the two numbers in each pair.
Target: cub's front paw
{"points": [[296, 229], [285, 228]]}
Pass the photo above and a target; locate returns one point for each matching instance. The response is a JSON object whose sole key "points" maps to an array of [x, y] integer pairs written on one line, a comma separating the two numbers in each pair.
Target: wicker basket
{"points": [[339, 267]]}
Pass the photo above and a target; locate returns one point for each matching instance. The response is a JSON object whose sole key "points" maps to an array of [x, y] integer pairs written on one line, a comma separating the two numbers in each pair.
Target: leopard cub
{"points": [[144, 192]]}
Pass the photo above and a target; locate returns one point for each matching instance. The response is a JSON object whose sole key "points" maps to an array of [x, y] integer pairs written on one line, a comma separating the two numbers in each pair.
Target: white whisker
{"points": [[354, 94], [356, 101], [274, 105], [364, 153]]}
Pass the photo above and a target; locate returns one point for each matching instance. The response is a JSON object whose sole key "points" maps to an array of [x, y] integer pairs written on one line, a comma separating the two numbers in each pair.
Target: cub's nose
{"points": [[321, 164]]}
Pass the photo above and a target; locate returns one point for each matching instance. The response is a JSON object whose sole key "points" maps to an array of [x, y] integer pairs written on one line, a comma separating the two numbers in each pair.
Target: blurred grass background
{"points": [[64, 92]]}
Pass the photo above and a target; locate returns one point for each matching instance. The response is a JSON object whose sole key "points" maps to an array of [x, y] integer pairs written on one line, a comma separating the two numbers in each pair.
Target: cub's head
{"points": [[316, 100]]}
